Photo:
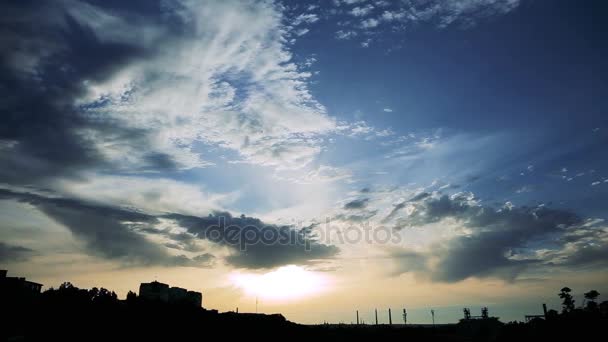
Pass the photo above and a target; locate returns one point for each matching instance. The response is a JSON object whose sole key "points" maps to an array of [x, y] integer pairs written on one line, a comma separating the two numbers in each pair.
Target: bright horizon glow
{"points": [[285, 283]]}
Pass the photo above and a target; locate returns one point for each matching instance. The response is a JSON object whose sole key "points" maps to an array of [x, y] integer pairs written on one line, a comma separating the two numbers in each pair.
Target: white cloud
{"points": [[388, 110], [369, 23], [366, 42], [318, 175], [382, 3], [155, 196], [390, 16], [302, 32], [352, 2], [363, 129], [307, 18], [345, 34], [224, 84], [464, 13], [362, 11]]}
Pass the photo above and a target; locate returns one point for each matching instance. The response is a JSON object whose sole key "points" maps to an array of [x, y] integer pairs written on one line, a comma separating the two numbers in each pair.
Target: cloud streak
{"points": [[122, 235]]}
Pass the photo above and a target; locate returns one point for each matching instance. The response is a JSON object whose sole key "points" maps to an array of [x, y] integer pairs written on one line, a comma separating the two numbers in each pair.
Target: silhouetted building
{"points": [[160, 292], [154, 291], [17, 286], [177, 295], [195, 298]]}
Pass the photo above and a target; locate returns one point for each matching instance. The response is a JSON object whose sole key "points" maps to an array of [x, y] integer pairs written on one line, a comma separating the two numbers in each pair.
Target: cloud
{"points": [[308, 18], [363, 129], [319, 174], [41, 130], [119, 234], [255, 244], [88, 87], [403, 15], [345, 34], [584, 246], [390, 16], [499, 243], [226, 86], [10, 253], [362, 11], [369, 23], [349, 2], [387, 110], [357, 204], [153, 195], [302, 32], [106, 231]]}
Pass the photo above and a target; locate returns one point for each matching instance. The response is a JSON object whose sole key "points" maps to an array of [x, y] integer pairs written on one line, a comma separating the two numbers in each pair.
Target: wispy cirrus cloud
{"points": [[188, 74], [400, 16]]}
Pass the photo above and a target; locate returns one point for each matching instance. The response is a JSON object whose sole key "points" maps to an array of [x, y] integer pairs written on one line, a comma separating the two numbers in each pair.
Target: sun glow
{"points": [[285, 283]]}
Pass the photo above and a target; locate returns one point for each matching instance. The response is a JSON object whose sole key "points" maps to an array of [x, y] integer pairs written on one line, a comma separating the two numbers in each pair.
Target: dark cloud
{"points": [[357, 204], [179, 241], [361, 216], [105, 231], [583, 247], [14, 253], [119, 234], [402, 205], [255, 244], [419, 197], [206, 259], [498, 243], [47, 58]]}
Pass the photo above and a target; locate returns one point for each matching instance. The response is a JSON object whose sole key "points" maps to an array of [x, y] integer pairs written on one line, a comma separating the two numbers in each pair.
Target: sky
{"points": [[316, 157]]}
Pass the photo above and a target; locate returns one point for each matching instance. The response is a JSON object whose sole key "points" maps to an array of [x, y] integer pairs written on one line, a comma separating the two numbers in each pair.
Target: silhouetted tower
{"points": [[390, 319], [545, 310], [376, 316], [357, 317], [404, 316], [237, 309], [484, 313], [433, 316], [467, 313]]}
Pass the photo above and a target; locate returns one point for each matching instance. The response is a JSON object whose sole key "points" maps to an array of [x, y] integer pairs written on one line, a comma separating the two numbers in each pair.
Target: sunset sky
{"points": [[418, 154]]}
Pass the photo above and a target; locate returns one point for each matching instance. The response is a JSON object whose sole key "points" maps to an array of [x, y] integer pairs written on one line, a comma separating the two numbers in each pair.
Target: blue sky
{"points": [[473, 130]]}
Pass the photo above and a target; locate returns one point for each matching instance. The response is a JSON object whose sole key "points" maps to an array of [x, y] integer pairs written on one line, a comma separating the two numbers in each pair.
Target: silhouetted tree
{"points": [[131, 297], [567, 300], [66, 286], [591, 296], [103, 296]]}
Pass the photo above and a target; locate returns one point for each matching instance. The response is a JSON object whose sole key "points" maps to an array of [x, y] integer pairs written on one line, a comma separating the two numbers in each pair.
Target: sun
{"points": [[285, 283]]}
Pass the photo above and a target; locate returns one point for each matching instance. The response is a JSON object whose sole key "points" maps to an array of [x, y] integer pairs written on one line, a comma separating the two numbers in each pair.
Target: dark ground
{"points": [[76, 315]]}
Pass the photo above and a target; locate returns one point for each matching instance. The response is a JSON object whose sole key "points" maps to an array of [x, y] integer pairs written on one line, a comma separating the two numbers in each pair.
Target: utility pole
{"points": [[376, 316], [433, 315], [390, 319], [404, 316], [357, 317]]}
